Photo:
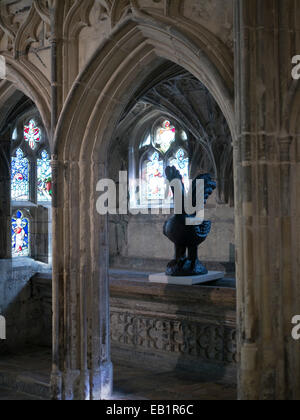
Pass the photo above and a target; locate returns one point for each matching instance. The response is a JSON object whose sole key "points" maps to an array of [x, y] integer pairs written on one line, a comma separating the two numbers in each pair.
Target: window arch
{"points": [[31, 178], [163, 144]]}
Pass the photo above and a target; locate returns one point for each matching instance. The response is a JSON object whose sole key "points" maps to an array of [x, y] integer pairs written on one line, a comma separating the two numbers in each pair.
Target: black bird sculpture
{"points": [[185, 237]]}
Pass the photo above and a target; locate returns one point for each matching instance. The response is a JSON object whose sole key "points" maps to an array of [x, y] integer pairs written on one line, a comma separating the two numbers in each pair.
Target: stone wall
{"points": [[141, 237], [20, 304]]}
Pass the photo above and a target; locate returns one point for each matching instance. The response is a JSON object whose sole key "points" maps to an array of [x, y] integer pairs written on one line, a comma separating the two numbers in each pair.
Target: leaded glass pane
{"points": [[181, 163], [32, 134], [20, 236], [19, 177], [155, 178], [44, 178], [165, 136]]}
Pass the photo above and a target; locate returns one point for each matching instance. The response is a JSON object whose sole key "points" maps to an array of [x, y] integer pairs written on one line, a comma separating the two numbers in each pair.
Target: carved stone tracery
{"points": [[146, 333]]}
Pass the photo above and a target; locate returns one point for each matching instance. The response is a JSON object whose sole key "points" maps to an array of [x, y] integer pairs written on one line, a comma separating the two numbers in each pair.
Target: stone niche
{"points": [[179, 96]]}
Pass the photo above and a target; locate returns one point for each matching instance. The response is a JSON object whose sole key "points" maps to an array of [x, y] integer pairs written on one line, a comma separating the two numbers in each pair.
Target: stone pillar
{"points": [[267, 157], [82, 367], [5, 234]]}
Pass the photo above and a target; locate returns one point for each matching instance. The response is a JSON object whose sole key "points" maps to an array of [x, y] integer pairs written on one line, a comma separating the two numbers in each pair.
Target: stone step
{"points": [[27, 372], [25, 384]]}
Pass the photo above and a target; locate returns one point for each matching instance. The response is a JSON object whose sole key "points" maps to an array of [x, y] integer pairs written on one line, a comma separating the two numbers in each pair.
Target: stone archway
{"points": [[81, 350], [26, 78]]}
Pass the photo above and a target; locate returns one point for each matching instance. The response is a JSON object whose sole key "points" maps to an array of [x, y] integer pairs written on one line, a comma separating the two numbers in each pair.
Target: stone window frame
{"points": [[31, 207], [31, 155]]}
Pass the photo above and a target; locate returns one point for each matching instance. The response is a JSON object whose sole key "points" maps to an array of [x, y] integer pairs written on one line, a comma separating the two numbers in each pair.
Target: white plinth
{"points": [[186, 281]]}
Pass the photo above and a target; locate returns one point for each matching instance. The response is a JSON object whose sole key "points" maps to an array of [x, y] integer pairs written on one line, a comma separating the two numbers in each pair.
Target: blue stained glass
{"points": [[19, 177], [44, 178], [181, 162], [20, 236], [155, 178]]}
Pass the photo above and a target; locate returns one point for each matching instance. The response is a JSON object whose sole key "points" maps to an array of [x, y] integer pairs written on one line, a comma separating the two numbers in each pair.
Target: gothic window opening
{"points": [[164, 143], [31, 189]]}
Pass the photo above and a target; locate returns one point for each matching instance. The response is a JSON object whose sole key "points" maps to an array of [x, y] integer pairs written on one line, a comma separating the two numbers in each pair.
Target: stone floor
{"points": [[25, 375], [8, 395]]}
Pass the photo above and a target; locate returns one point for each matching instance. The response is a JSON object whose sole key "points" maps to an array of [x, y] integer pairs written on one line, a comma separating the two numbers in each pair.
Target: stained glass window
{"points": [[32, 134], [19, 177], [44, 178], [20, 236], [165, 136], [164, 147], [181, 162], [155, 178]]}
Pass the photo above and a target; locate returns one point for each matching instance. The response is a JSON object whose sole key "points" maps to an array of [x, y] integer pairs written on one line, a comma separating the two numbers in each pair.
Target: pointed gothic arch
{"points": [[95, 104], [22, 76]]}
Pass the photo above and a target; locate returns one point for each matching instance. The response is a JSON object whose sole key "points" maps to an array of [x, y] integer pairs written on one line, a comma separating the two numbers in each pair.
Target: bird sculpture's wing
{"points": [[209, 187]]}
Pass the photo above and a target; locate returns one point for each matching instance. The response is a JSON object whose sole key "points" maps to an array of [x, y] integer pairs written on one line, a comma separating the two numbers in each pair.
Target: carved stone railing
{"points": [[174, 327], [167, 327]]}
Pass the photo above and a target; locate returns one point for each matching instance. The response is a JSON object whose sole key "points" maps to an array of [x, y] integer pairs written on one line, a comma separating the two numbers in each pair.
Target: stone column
{"points": [[267, 198], [5, 235], [82, 367]]}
